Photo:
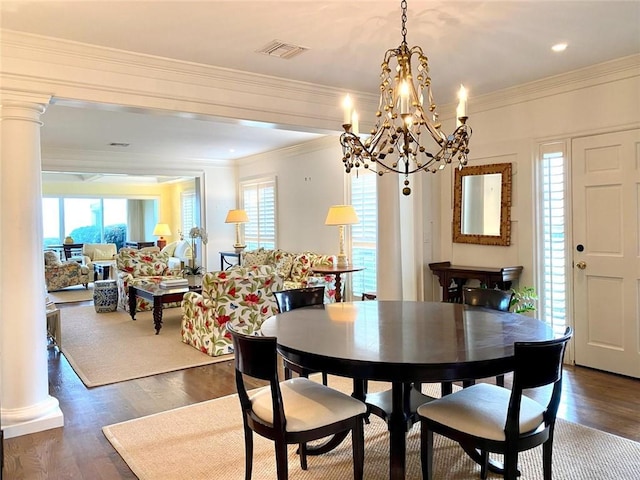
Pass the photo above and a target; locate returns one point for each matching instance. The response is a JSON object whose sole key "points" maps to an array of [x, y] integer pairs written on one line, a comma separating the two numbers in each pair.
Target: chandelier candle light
{"points": [[394, 144], [237, 217], [161, 230], [341, 215]]}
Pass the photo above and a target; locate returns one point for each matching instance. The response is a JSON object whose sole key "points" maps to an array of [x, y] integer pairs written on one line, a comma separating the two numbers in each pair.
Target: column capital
{"points": [[33, 100]]}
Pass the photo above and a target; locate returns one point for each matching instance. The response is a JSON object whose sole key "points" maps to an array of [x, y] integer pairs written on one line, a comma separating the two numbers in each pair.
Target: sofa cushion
{"points": [[301, 267], [283, 262], [103, 253], [256, 257], [170, 248], [142, 263]]}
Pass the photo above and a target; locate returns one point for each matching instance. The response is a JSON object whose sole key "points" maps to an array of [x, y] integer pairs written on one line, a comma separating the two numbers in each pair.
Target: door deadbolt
{"points": [[581, 265]]}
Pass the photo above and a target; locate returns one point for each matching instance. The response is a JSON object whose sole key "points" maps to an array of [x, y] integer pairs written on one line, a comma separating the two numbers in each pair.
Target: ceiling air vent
{"points": [[279, 49]]}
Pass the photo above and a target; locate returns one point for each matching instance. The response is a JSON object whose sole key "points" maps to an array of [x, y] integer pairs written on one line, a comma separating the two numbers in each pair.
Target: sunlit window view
{"points": [[85, 220]]}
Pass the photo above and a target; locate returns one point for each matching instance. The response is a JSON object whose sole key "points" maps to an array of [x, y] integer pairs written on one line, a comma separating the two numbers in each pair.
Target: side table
{"points": [[337, 271], [229, 259]]}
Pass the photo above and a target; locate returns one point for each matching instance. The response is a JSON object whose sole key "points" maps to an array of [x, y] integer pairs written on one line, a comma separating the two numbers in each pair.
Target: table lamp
{"points": [[341, 215], [160, 230], [237, 217]]}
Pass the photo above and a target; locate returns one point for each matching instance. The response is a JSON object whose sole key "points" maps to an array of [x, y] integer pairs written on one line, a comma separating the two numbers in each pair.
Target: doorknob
{"points": [[581, 265]]}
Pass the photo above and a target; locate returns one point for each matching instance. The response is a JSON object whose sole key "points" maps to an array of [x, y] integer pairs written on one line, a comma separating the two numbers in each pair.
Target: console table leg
{"points": [[157, 313]]}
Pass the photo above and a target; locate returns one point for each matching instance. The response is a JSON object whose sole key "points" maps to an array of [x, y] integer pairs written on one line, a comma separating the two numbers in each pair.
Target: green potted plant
{"points": [[523, 300], [193, 274]]}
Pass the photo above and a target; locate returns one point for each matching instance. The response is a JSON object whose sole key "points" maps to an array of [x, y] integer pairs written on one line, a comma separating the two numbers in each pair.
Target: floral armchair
{"points": [[135, 267], [242, 296], [59, 275], [295, 269]]}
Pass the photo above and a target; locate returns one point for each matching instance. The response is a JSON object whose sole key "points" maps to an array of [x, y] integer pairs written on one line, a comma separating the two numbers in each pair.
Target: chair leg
{"points": [[357, 445], [446, 388], [324, 378], [547, 451], [484, 465], [287, 373], [426, 451], [500, 380], [248, 452], [282, 466], [511, 465], [302, 451]]}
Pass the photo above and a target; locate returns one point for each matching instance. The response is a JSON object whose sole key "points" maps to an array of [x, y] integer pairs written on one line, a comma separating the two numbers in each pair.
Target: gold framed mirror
{"points": [[482, 204]]}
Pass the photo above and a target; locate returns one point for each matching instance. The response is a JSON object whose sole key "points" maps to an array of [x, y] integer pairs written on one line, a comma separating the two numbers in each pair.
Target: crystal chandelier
{"points": [[395, 142]]}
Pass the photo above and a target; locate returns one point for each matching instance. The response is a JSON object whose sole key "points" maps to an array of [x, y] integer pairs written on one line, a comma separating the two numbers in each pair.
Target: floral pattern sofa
{"points": [[135, 267], [242, 296], [59, 275], [295, 268]]}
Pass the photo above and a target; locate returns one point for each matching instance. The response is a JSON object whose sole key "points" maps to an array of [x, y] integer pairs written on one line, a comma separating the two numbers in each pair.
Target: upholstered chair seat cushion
{"points": [[307, 404], [481, 410]]}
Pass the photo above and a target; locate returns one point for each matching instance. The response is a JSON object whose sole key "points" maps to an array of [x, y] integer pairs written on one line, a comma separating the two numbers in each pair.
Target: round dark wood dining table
{"points": [[402, 342]]}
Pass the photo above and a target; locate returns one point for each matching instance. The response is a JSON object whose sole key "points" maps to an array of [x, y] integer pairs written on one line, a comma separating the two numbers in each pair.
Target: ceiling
{"points": [[487, 46]]}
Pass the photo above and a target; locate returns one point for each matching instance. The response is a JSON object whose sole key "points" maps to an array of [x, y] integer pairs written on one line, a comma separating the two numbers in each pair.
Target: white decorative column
{"points": [[400, 249], [26, 406]]}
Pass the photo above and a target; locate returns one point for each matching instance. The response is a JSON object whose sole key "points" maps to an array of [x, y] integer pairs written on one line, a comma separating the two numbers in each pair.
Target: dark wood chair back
{"points": [[256, 357], [487, 297], [299, 297]]}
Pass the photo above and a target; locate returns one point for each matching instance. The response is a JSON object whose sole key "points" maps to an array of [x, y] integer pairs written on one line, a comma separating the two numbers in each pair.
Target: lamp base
{"points": [[342, 261], [239, 248], [161, 243]]}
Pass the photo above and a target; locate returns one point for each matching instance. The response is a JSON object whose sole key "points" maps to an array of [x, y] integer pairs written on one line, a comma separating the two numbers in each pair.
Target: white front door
{"points": [[606, 251]]}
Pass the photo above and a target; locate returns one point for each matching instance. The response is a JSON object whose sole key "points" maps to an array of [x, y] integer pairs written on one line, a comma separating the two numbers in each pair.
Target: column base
{"points": [[44, 416]]}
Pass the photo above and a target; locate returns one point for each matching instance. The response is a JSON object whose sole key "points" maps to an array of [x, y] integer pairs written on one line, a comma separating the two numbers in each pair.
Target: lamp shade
{"points": [[341, 215], [237, 216], [161, 230]]}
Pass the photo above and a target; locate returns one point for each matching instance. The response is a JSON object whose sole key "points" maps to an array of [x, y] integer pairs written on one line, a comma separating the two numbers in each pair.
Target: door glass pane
{"points": [[115, 221]]}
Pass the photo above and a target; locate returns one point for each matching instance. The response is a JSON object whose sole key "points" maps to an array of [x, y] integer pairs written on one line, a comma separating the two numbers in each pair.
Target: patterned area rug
{"points": [[205, 441], [109, 347]]}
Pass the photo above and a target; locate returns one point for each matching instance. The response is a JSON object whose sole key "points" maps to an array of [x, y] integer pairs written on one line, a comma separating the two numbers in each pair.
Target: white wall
{"points": [[310, 178], [594, 101]]}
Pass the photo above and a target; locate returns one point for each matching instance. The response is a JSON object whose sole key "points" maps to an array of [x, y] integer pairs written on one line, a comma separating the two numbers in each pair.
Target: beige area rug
{"points": [[109, 347], [205, 441], [72, 294]]}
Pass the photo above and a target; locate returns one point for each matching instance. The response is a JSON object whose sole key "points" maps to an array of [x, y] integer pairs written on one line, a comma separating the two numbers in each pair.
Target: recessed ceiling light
{"points": [[559, 47], [232, 150]]}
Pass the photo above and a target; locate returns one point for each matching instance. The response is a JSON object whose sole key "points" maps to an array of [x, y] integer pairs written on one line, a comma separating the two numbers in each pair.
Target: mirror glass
{"points": [[482, 201]]}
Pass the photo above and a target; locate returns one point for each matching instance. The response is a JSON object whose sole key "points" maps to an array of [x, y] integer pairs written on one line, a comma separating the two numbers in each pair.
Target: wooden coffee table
{"points": [[159, 296]]}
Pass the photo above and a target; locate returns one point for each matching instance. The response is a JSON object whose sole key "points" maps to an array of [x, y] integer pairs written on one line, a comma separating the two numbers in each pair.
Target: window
{"points": [[553, 236], [86, 220], [259, 201], [187, 208], [364, 199]]}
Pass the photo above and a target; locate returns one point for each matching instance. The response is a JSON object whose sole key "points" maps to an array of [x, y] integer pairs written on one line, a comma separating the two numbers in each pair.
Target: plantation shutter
{"points": [[259, 201], [553, 237], [364, 234]]}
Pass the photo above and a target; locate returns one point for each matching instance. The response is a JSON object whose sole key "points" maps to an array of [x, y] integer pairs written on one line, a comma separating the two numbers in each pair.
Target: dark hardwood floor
{"points": [[80, 451]]}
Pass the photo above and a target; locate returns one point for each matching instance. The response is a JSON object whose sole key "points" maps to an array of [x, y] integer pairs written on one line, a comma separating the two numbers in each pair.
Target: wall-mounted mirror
{"points": [[482, 204]]}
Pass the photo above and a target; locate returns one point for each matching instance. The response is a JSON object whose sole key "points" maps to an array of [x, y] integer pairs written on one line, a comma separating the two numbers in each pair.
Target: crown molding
{"points": [[293, 151], [105, 75], [96, 161]]}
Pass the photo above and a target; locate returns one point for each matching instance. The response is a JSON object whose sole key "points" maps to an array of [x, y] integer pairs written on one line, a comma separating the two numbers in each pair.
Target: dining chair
{"points": [[298, 298], [490, 298], [294, 411], [488, 418]]}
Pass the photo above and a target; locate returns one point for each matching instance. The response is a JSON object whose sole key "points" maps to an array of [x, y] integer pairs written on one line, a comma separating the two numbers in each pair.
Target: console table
{"points": [[139, 245], [491, 277]]}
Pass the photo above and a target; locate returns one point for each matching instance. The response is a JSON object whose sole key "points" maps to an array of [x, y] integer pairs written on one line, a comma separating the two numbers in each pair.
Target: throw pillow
{"points": [[102, 254]]}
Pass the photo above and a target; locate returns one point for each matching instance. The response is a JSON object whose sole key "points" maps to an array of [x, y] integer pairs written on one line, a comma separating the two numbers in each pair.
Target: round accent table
{"points": [[105, 296]]}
